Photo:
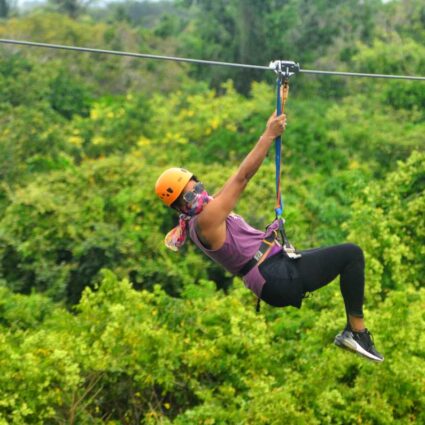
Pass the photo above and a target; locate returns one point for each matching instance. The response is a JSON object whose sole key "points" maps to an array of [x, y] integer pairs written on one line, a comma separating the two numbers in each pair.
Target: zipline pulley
{"points": [[285, 69]]}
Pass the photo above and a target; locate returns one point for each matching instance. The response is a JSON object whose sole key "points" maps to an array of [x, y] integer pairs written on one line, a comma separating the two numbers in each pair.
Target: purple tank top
{"points": [[241, 244]]}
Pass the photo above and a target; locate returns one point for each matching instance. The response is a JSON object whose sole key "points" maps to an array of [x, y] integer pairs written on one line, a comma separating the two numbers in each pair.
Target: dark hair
{"points": [[179, 200]]}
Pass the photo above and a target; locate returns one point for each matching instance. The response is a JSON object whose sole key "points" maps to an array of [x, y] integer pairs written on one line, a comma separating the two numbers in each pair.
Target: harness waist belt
{"points": [[266, 245]]}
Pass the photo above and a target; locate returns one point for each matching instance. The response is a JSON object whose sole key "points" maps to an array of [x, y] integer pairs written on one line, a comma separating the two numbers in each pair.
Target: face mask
{"points": [[177, 236], [196, 205]]}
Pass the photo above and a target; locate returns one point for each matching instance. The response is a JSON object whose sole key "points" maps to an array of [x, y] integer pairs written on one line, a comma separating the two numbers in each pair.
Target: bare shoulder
{"points": [[210, 233], [212, 220]]}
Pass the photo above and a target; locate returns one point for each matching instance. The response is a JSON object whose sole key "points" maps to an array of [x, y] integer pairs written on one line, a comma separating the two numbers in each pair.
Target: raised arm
{"points": [[225, 201]]}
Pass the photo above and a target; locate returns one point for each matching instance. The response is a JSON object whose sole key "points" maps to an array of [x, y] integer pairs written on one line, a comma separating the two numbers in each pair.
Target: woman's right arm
{"points": [[228, 196]]}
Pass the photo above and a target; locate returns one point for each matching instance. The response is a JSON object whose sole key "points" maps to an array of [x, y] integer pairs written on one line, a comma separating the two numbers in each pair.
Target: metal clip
{"points": [[284, 69], [291, 252], [258, 255], [289, 249]]}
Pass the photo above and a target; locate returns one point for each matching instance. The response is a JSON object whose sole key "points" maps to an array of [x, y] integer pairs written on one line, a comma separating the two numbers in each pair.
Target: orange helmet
{"points": [[170, 184]]}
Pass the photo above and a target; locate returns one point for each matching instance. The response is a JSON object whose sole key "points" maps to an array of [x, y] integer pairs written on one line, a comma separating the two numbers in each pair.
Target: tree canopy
{"points": [[99, 322]]}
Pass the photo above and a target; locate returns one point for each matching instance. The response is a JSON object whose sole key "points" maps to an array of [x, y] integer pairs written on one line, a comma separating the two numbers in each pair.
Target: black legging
{"points": [[287, 280]]}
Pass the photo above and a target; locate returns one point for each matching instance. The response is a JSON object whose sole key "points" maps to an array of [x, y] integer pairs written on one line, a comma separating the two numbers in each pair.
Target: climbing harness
{"points": [[265, 247], [284, 70]]}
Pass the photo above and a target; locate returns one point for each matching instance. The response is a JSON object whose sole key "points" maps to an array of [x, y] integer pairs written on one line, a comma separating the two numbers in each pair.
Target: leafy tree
{"points": [[201, 128], [100, 73], [388, 224], [60, 231], [146, 357], [32, 142], [146, 14], [148, 338], [259, 31], [69, 96], [21, 81], [4, 8], [405, 17], [34, 102], [72, 8]]}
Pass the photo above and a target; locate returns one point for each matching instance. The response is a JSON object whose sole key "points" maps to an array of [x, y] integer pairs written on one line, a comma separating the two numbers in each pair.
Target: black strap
{"points": [[287, 247], [265, 245], [257, 307]]}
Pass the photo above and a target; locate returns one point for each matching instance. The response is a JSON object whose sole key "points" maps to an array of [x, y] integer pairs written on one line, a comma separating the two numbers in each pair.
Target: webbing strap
{"points": [[280, 104], [286, 245], [278, 153]]}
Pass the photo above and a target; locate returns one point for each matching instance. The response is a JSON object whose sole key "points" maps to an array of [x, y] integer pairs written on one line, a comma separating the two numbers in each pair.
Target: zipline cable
{"points": [[359, 74], [205, 62], [134, 55]]}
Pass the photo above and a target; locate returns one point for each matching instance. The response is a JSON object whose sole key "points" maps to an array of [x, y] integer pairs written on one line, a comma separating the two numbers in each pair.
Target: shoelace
{"points": [[366, 338]]}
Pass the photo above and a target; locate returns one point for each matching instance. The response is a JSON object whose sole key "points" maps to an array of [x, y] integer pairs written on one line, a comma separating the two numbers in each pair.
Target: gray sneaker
{"points": [[359, 342]]}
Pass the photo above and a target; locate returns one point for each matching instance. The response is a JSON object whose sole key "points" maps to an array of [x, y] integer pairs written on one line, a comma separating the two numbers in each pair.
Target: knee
{"points": [[355, 252]]}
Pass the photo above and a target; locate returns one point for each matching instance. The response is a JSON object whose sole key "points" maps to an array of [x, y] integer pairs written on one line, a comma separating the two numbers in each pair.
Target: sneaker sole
{"points": [[351, 345]]}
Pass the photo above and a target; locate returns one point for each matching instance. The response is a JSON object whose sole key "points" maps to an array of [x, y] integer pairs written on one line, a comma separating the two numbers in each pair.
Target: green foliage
{"points": [[388, 223], [144, 357], [406, 18], [376, 136], [68, 96], [102, 73], [61, 229], [31, 141], [114, 125], [23, 312], [72, 8], [58, 232], [145, 337], [259, 31], [33, 104], [391, 57], [18, 83]]}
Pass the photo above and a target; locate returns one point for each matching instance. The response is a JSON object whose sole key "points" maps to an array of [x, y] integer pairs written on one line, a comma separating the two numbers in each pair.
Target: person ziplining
{"points": [[273, 270]]}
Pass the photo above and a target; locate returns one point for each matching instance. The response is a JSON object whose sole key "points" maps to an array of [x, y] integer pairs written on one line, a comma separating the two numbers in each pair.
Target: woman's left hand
{"points": [[276, 125]]}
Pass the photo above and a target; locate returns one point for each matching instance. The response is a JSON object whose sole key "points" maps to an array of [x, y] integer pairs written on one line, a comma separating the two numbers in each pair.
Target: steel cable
{"points": [[203, 62]]}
